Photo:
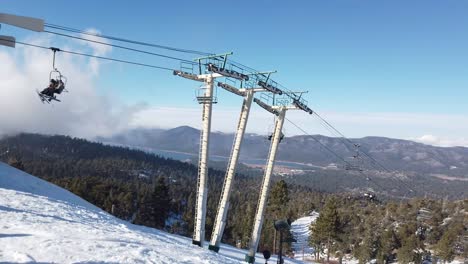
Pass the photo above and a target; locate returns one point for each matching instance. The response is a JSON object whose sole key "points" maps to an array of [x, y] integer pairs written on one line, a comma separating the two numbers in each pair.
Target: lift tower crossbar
{"points": [[223, 207], [280, 111]]}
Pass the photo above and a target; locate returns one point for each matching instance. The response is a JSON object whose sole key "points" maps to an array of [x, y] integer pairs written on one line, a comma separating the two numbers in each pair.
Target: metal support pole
{"points": [[255, 238], [220, 221], [202, 193], [280, 255]]}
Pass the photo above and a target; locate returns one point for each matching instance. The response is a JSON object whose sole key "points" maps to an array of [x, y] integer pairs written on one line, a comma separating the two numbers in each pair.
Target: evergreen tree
{"points": [[445, 248], [409, 251], [326, 229], [278, 200], [161, 202], [388, 242]]}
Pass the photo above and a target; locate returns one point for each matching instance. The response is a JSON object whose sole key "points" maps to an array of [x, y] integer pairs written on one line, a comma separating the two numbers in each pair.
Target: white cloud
{"points": [[98, 49], [442, 142], [84, 112]]}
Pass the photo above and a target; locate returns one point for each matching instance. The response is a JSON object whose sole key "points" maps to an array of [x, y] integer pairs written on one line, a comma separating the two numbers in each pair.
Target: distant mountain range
{"points": [[409, 168], [394, 154]]}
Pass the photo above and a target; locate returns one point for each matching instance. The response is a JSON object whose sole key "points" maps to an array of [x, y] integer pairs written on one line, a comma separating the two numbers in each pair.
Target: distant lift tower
{"points": [[280, 112], [223, 207], [209, 68]]}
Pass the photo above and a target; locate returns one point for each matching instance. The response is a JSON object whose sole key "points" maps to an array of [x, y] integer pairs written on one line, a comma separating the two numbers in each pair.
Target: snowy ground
{"points": [[40, 222], [301, 232]]}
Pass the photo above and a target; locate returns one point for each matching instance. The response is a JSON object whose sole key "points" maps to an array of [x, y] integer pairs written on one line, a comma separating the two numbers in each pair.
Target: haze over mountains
{"points": [[394, 154], [411, 168]]}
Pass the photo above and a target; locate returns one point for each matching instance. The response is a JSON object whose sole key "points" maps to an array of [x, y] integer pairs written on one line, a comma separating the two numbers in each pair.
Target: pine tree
{"points": [[446, 245], [388, 242], [279, 199], [326, 229], [161, 202], [408, 251]]}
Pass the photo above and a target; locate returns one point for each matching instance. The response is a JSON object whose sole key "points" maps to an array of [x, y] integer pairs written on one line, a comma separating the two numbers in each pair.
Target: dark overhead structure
{"points": [[270, 88], [302, 106], [187, 75], [231, 89], [227, 73], [266, 107]]}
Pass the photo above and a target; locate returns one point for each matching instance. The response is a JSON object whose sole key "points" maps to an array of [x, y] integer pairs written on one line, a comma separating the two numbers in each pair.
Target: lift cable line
{"points": [[349, 141], [231, 62], [120, 47], [334, 153], [400, 183], [376, 164], [89, 55], [318, 141], [69, 29]]}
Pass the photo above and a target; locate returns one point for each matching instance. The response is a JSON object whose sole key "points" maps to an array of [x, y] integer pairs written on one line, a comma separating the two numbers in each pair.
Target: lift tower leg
{"points": [[220, 221], [202, 191], [255, 238]]}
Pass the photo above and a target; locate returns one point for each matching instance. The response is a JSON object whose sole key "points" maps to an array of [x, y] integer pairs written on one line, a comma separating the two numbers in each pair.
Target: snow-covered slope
{"points": [[40, 222], [301, 232]]}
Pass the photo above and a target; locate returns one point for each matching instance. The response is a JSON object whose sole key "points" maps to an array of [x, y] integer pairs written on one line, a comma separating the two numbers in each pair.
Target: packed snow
{"points": [[301, 232], [40, 222]]}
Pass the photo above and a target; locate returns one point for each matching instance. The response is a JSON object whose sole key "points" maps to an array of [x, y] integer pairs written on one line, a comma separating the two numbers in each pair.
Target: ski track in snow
{"points": [[301, 232], [41, 222]]}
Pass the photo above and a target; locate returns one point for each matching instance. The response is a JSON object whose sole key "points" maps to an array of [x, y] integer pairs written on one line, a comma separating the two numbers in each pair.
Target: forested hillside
{"points": [[159, 192], [144, 188], [405, 168]]}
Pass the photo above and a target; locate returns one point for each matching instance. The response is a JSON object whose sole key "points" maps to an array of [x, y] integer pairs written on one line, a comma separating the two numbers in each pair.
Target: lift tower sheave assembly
{"points": [[223, 207], [291, 102]]}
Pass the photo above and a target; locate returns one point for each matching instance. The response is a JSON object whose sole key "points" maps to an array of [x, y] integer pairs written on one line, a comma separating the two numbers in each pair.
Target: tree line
{"points": [[150, 190]]}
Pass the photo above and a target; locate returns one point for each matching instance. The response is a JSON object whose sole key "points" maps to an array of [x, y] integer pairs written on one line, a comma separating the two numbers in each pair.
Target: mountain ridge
{"points": [[394, 154]]}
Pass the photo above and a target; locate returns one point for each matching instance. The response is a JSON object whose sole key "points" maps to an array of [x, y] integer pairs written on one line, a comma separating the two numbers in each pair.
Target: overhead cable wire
{"points": [[374, 162], [91, 56], [318, 141], [333, 152], [120, 47], [351, 142], [69, 29]]}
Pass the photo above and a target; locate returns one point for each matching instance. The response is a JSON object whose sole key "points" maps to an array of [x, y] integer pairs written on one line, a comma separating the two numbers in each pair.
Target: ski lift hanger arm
{"points": [[30, 23], [7, 41]]}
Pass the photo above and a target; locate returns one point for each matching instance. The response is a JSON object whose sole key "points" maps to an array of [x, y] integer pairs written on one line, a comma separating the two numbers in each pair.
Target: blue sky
{"points": [[366, 57]]}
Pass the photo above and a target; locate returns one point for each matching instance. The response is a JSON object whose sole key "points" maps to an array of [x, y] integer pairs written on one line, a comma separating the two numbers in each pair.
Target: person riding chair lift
{"points": [[55, 87]]}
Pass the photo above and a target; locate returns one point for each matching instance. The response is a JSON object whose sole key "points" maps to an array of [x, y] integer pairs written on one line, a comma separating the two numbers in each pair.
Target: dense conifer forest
{"points": [[154, 191]]}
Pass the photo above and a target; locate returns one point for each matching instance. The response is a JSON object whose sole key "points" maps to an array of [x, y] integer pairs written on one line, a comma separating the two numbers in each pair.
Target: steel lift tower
{"points": [[223, 207], [278, 108], [209, 68]]}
